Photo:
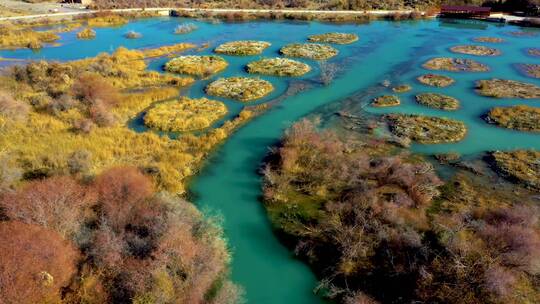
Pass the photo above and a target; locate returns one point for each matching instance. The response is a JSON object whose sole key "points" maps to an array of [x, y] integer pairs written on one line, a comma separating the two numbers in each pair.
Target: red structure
{"points": [[465, 11]]}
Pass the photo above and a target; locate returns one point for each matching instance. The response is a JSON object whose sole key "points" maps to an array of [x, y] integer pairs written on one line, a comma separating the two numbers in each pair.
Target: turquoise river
{"points": [[387, 51]]}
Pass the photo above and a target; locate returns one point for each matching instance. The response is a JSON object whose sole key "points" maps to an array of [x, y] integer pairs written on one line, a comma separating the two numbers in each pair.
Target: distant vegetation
{"points": [[378, 225]]}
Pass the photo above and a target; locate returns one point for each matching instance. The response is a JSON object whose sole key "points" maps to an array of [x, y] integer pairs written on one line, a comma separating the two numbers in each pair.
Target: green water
{"points": [[229, 183]]}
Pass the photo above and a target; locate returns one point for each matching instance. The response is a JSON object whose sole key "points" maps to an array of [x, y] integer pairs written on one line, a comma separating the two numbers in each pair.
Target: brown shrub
{"points": [[36, 263], [12, 108], [57, 203], [93, 88], [119, 190]]}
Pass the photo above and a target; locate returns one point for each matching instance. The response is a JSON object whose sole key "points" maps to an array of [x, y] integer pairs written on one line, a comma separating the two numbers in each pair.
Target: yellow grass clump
{"points": [[314, 51], [86, 33], [240, 88], [196, 65], [14, 37], [106, 20], [521, 117], [242, 47], [278, 67], [337, 38], [185, 114]]}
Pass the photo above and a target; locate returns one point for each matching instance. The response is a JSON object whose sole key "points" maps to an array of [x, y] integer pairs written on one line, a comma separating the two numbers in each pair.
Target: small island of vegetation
{"points": [[438, 101], [502, 88], [477, 50], [402, 88], [385, 101], [436, 80], [309, 50], [242, 48], [278, 67], [240, 88], [336, 38], [521, 117], [196, 65], [529, 69], [489, 39], [520, 166], [86, 33], [455, 65], [426, 129], [185, 114]]}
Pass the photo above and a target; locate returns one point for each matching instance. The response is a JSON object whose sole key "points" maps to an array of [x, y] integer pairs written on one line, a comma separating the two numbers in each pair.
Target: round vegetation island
{"points": [[278, 67], [435, 80], [438, 101], [522, 117], [314, 51], [242, 47], [240, 88], [455, 65], [86, 33], [196, 65], [489, 39], [385, 101], [336, 38], [520, 166], [535, 52], [477, 50], [529, 69], [426, 129], [185, 114], [402, 88], [502, 88]]}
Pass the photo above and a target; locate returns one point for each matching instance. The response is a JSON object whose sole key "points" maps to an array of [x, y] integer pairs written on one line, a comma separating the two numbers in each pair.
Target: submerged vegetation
{"points": [[240, 88], [309, 50], [196, 65], [436, 80], [278, 67], [521, 166], [185, 28], [535, 52], [478, 50], [522, 117], [185, 114], [531, 70], [426, 129], [489, 39], [502, 88], [385, 101], [455, 65], [242, 48], [86, 33], [402, 88], [379, 225], [438, 101], [337, 38]]}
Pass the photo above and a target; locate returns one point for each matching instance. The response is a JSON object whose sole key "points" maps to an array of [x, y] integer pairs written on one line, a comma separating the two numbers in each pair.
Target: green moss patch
{"points": [[309, 50], [477, 50], [522, 117], [531, 70], [184, 115], [521, 166], [426, 129], [196, 65], [242, 47], [240, 88], [489, 39], [435, 80], [501, 88], [385, 101], [86, 33], [278, 67], [402, 88], [438, 101], [336, 38], [455, 65]]}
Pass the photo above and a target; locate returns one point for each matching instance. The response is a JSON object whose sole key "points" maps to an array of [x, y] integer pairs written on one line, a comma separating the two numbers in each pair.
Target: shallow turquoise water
{"points": [[394, 51]]}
